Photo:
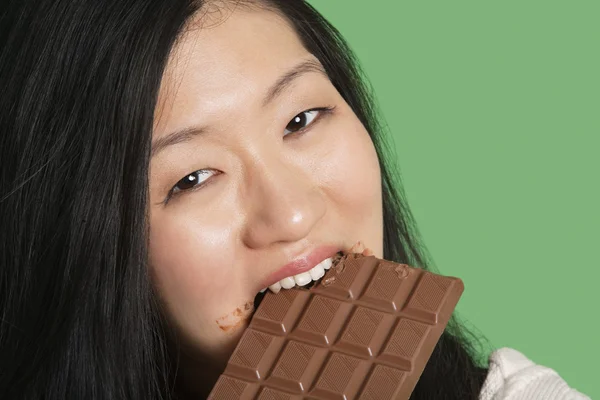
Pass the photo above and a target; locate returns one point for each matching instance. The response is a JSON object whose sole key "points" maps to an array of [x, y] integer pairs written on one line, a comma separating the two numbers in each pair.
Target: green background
{"points": [[494, 109]]}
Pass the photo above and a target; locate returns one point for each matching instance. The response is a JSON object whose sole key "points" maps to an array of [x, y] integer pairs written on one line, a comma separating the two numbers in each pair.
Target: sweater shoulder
{"points": [[512, 376]]}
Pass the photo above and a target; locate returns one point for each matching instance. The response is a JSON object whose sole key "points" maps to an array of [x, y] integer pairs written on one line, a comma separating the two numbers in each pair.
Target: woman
{"points": [[164, 161]]}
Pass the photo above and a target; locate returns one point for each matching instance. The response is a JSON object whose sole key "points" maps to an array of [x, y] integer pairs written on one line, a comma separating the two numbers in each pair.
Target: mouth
{"points": [[302, 280]]}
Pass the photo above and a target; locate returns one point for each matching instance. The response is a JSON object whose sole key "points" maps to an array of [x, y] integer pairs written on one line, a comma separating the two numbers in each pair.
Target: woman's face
{"points": [[248, 176]]}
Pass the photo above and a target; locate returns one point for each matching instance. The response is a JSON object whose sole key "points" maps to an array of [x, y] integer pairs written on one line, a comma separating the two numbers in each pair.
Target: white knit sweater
{"points": [[512, 376]]}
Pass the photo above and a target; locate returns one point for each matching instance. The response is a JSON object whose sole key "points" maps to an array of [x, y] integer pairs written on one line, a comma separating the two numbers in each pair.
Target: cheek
{"points": [[351, 178], [190, 263], [175, 250], [352, 170]]}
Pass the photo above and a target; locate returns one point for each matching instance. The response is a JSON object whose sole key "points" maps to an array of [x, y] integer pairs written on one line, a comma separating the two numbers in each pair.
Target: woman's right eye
{"points": [[190, 182]]}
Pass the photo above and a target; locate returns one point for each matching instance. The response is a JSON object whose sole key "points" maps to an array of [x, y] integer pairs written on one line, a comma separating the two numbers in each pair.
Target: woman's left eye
{"points": [[304, 119]]}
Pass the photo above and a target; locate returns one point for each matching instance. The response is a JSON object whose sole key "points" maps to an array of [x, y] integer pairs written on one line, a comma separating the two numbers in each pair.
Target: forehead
{"points": [[215, 63]]}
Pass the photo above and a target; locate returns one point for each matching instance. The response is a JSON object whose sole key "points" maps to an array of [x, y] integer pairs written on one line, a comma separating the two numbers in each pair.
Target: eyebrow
{"points": [[281, 85]]}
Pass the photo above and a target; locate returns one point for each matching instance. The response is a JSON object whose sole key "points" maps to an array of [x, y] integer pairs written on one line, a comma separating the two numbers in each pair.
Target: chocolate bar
{"points": [[365, 331]]}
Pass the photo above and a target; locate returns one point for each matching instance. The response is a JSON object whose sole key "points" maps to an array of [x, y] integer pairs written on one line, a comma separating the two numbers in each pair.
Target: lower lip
{"points": [[302, 264]]}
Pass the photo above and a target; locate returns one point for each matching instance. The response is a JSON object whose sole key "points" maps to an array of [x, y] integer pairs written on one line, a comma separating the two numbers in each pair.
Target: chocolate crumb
{"points": [[337, 258], [401, 270], [237, 318], [328, 281]]}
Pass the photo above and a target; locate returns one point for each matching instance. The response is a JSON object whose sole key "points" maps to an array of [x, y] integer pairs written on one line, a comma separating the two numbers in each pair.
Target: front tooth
{"points": [[302, 279], [287, 283], [317, 272], [326, 264], [275, 288]]}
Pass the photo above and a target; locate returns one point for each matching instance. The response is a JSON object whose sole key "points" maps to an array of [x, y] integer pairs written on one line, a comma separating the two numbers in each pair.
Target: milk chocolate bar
{"points": [[365, 331]]}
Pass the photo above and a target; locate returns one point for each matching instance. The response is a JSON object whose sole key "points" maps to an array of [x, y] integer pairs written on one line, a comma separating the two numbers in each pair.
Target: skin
{"points": [[275, 195]]}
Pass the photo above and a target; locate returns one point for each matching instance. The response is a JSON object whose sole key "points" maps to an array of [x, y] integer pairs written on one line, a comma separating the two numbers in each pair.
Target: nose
{"points": [[283, 204]]}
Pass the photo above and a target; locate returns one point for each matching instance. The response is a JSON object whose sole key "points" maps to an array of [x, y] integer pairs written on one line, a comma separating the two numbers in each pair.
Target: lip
{"points": [[302, 264]]}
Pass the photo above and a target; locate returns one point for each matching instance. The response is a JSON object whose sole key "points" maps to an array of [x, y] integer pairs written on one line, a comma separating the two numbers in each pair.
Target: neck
{"points": [[196, 375], [196, 372]]}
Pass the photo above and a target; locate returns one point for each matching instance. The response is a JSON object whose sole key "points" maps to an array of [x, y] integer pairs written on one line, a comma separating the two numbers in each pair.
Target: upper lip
{"points": [[303, 263]]}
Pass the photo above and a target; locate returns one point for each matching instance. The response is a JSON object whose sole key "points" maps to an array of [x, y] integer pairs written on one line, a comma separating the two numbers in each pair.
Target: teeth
{"points": [[317, 272], [287, 283], [275, 288], [304, 278]]}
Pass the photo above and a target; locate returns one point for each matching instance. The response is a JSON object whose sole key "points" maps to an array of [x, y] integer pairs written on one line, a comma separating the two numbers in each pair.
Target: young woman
{"points": [[165, 160]]}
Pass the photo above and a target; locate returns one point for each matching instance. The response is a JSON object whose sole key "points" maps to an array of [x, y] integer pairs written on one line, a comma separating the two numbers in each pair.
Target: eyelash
{"points": [[323, 111]]}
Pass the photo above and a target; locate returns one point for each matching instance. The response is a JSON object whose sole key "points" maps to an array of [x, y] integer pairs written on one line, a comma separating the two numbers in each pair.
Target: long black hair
{"points": [[80, 79]]}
